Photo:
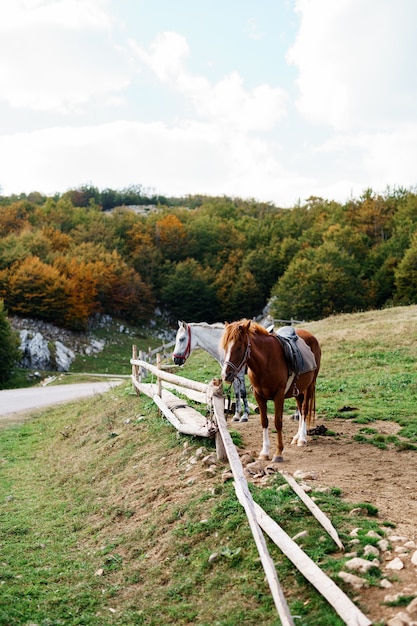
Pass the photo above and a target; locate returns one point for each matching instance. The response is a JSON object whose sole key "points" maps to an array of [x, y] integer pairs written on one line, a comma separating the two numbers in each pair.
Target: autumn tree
{"points": [[36, 289], [170, 237]]}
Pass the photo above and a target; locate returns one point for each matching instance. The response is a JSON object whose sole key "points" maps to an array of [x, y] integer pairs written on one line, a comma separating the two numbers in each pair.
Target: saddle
{"points": [[299, 357]]}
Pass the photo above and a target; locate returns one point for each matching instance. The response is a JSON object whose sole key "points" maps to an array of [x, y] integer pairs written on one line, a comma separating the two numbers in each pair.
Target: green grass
{"points": [[102, 525], [95, 533]]}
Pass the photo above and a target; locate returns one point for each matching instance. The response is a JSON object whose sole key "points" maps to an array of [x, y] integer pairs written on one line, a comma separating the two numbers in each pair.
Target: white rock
{"points": [[412, 607], [371, 550], [63, 357], [383, 545], [404, 617], [96, 345], [373, 534], [395, 621], [398, 538], [361, 565], [385, 584], [35, 351], [392, 597], [301, 474], [414, 558], [396, 564], [351, 579]]}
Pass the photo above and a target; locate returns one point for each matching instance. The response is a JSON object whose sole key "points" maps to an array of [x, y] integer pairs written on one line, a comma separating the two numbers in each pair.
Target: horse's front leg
{"points": [[301, 437], [262, 404], [279, 409]]}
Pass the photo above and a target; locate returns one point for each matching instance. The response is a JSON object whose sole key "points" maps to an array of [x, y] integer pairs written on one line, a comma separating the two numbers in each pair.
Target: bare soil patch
{"points": [[365, 474]]}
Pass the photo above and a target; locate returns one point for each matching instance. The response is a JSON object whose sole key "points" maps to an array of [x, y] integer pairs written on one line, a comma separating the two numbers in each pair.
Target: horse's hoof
{"points": [[301, 443], [277, 459], [235, 418], [243, 419], [263, 457]]}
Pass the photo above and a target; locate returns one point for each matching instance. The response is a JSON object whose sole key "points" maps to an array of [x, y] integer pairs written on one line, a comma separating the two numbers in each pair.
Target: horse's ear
{"points": [[248, 325], [181, 323]]}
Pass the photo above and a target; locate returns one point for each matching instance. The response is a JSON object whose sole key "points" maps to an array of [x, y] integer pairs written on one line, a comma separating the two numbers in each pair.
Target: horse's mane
{"points": [[234, 330], [206, 325]]}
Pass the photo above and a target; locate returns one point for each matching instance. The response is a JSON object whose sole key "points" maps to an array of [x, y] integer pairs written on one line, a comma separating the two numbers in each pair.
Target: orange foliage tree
{"points": [[36, 289]]}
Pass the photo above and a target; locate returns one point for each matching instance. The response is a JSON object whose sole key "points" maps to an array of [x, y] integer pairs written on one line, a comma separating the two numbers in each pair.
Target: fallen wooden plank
{"points": [[192, 394], [172, 378], [315, 510], [183, 417], [345, 608], [245, 498], [184, 428]]}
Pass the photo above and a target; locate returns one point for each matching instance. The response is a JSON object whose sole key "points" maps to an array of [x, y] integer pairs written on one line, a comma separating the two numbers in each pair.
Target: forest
{"points": [[66, 258]]}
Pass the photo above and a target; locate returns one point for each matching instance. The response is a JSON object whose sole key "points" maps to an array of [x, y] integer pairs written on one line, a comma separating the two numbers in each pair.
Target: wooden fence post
{"points": [[159, 382], [135, 369]]}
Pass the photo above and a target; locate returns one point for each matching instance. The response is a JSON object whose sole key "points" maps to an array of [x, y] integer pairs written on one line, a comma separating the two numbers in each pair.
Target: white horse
{"points": [[207, 336]]}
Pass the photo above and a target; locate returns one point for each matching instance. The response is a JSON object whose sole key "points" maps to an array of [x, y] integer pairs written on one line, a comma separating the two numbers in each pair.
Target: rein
{"points": [[187, 349], [245, 357]]}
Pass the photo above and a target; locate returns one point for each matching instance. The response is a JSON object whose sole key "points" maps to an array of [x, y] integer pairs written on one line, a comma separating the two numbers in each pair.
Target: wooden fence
{"points": [[189, 421]]}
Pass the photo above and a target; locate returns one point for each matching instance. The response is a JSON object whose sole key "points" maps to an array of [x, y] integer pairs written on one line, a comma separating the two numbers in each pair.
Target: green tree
{"points": [[406, 276], [188, 293], [317, 283], [9, 351]]}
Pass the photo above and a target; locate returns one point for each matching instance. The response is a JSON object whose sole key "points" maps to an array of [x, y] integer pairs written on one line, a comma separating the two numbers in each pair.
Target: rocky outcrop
{"points": [[47, 347], [39, 354]]}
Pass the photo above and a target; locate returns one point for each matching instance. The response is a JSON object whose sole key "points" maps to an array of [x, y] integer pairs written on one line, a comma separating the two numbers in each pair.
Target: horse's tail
{"points": [[311, 406]]}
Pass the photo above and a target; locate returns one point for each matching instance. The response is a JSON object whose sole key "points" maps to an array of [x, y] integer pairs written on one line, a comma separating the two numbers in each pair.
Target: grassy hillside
{"points": [[109, 517]]}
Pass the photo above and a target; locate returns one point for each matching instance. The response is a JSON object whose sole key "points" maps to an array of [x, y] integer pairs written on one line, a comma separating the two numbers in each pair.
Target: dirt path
{"points": [[364, 473]]}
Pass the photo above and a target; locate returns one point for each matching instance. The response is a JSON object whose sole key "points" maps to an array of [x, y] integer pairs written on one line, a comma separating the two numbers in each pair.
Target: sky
{"points": [[271, 100]]}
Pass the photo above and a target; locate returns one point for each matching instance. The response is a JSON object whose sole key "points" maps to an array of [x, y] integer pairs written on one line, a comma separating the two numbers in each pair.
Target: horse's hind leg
{"points": [[241, 396], [301, 437], [244, 398], [279, 409], [236, 389]]}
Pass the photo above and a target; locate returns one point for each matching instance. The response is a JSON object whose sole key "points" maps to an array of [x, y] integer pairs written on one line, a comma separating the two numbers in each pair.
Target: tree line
{"points": [[68, 257]]}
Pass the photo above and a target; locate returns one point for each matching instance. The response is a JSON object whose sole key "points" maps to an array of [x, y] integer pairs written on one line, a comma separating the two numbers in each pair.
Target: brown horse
{"points": [[246, 342]]}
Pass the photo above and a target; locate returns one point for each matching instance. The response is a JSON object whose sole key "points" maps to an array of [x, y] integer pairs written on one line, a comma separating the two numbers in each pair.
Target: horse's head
{"points": [[182, 346], [235, 342]]}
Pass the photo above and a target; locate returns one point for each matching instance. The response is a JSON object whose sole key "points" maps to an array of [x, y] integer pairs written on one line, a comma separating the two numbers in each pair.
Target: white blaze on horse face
{"points": [[226, 360]]}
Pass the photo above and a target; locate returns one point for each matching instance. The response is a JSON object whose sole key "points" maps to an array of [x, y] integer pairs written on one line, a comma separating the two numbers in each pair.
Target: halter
{"points": [[245, 357], [187, 349]]}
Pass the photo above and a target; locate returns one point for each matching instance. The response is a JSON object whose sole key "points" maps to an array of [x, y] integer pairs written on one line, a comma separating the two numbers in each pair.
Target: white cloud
{"points": [[74, 14], [356, 61], [166, 159], [49, 60], [225, 103]]}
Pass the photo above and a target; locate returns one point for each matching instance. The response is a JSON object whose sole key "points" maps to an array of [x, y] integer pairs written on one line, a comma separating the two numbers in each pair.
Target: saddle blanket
{"points": [[299, 355]]}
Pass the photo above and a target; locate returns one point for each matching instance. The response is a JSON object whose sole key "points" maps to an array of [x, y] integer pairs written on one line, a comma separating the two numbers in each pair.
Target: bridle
{"points": [[188, 347], [237, 369]]}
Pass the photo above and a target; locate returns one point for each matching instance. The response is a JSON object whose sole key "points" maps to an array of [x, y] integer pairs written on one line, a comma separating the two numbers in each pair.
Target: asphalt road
{"points": [[16, 401]]}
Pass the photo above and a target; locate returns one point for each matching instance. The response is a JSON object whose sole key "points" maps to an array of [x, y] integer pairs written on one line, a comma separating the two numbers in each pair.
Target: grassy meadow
{"points": [[104, 520]]}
